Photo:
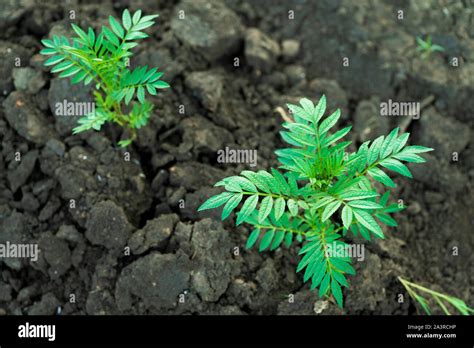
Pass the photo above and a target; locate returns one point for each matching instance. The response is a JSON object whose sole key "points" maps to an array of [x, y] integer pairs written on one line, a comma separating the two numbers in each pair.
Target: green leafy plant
{"points": [[102, 58], [443, 301], [319, 179], [426, 47]]}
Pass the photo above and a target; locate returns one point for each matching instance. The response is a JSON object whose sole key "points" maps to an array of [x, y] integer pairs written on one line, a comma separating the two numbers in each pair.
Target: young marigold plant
{"points": [[427, 47], [103, 59], [322, 193], [445, 302]]}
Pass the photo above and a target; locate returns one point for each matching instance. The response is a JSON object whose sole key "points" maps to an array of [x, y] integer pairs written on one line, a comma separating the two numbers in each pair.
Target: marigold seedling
{"points": [[322, 193], [103, 60], [443, 301], [427, 47]]}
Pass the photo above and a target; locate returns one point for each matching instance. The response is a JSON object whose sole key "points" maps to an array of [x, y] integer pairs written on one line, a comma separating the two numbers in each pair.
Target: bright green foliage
{"points": [[102, 58], [320, 193], [426, 47], [443, 301]]}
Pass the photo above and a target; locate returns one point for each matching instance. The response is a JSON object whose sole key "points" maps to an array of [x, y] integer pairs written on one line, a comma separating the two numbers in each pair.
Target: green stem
{"points": [[281, 228], [273, 195]]}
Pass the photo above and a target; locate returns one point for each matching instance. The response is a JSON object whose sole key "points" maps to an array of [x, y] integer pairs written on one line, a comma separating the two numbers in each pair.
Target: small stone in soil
{"points": [[69, 233], [210, 28], [261, 52], [5, 292], [27, 119], [9, 53], [445, 134], [47, 306], [290, 49], [206, 86], [108, 225], [155, 279], [28, 80], [20, 174], [155, 234], [57, 254]]}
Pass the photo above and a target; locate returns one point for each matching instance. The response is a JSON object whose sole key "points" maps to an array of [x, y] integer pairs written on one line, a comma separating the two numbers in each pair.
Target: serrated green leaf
{"points": [[318, 274], [299, 112], [329, 122], [151, 89], [374, 150], [126, 19], [396, 166], [91, 37], [79, 77], [409, 157], [116, 27], [310, 246], [366, 220], [310, 257], [160, 84], [279, 235], [380, 176], [216, 201], [141, 94], [299, 127], [279, 208], [62, 66], [416, 149], [136, 17], [124, 142], [256, 180], [384, 199], [323, 288], [338, 135], [346, 216], [357, 194], [400, 143], [320, 109], [48, 43], [129, 95], [266, 240], [288, 239], [111, 36], [307, 105], [339, 277], [265, 208], [364, 204], [330, 209], [143, 25], [70, 72], [54, 60], [248, 208], [310, 271], [386, 148], [134, 35], [48, 51], [386, 219], [80, 32], [252, 238], [292, 207], [336, 292], [231, 204]]}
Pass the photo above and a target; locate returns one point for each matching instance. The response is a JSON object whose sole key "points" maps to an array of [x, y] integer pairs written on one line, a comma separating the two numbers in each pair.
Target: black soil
{"points": [[118, 229]]}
